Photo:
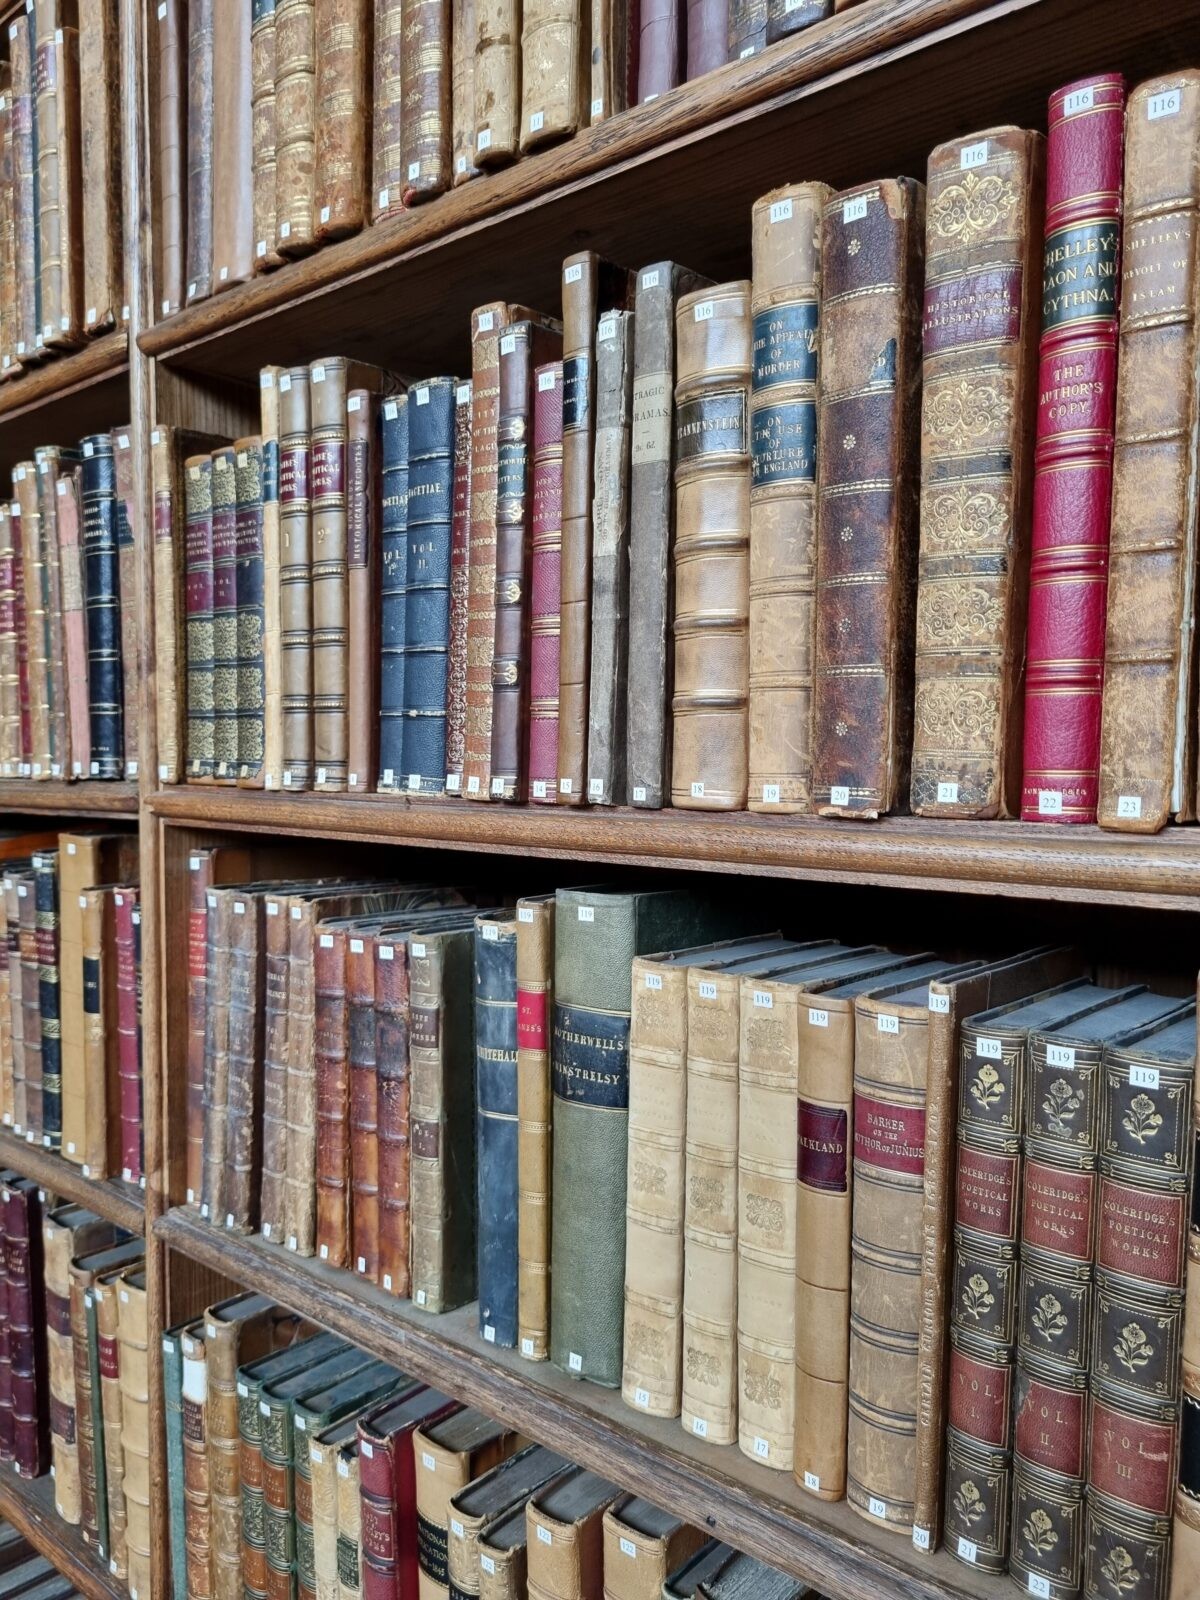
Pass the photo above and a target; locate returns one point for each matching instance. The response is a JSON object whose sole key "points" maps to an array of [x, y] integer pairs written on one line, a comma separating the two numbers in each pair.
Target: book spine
{"points": [[486, 325], [364, 1109], [172, 151], [784, 20], [660, 44], [747, 28], [243, 1116], [50, 575], [224, 1343], [1185, 1566], [977, 477], [555, 74], [391, 55], [343, 117], [130, 539], [101, 567], [1148, 776], [545, 582], [248, 578], [197, 1488], [200, 879], [497, 82], [330, 598], [129, 1053], [216, 1052], [707, 36], [74, 623], [535, 1009], [295, 125], [166, 489], [277, 982], [497, 1127], [88, 1126], [224, 614], [10, 676], [8, 262], [232, 154], [295, 571], [425, 127], [263, 134], [279, 1521], [6, 1058], [380, 1549], [16, 1029], [393, 540], [60, 198], [349, 1523], [653, 1336], [427, 611], [22, 638], [250, 1476], [57, 1250], [610, 561], [332, 1066], [31, 1006], [109, 1421], [86, 1443], [35, 622], [45, 879], [614, 39], [101, 233], [198, 487], [393, 1088], [462, 91], [26, 1329], [322, 1469], [712, 513], [270, 380], [460, 570], [25, 192], [300, 1198], [362, 582], [198, 230], [1072, 484]]}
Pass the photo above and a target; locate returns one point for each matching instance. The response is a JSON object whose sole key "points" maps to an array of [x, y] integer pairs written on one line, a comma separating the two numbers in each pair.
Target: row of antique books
{"points": [[69, 640], [70, 1002], [795, 1308], [25, 1575], [320, 118], [769, 543], [300, 1465], [74, 1397], [61, 240]]}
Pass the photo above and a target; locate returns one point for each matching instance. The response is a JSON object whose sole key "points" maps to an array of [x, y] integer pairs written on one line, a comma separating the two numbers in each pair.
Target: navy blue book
{"points": [[497, 1183], [393, 529], [427, 612], [102, 582]]}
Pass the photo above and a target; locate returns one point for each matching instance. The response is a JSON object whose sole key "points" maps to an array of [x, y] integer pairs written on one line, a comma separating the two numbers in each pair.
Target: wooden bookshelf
{"points": [[63, 398], [122, 1203], [713, 1486], [29, 1505], [52, 797]]}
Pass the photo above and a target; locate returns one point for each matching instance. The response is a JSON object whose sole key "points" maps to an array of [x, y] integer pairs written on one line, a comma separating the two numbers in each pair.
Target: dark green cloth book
{"points": [[172, 1365]]}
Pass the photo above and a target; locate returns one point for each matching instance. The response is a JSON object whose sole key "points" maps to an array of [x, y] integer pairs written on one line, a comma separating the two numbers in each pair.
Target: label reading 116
{"points": [[703, 312], [781, 210], [1163, 105], [973, 155], [854, 210]]}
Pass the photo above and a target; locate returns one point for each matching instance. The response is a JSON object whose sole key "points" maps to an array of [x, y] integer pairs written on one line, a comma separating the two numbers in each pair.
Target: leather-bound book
{"points": [[295, 573], [497, 82], [503, 1489], [349, 1521], [707, 36], [535, 1005], [29, 1111], [101, 574], [218, 962], [276, 984], [393, 619], [976, 490], [450, 1453], [784, 19], [243, 1115], [343, 116], [387, 1478], [362, 588], [785, 304], [7, 1447], [127, 920], [545, 582], [15, 1118], [295, 125], [427, 610], [868, 500], [555, 75], [97, 1396], [743, 1575], [712, 512], [614, 62], [69, 521], [100, 141], [497, 1125], [248, 580], [26, 227], [197, 488], [262, 132], [167, 451], [324, 1458], [10, 672], [172, 152], [26, 1326], [442, 1117], [332, 1066], [49, 461], [1056, 1310], [747, 28], [393, 1091], [643, 1546], [685, 1581], [198, 233], [503, 1557], [364, 1108], [652, 526], [106, 1315], [597, 935], [8, 243], [1073, 454], [330, 573], [1148, 725], [591, 286], [270, 379], [66, 1232], [36, 736], [130, 539], [460, 567], [224, 614], [172, 1404], [390, 57], [983, 1325], [566, 1547], [660, 48], [426, 98], [524, 350], [610, 561], [1185, 1563], [45, 891], [232, 153], [59, 186], [462, 90]]}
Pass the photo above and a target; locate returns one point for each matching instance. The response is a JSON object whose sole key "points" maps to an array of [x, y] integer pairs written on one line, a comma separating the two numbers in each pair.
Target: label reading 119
{"points": [[708, 989], [989, 1049], [885, 1022], [1143, 1077], [1060, 1055], [817, 1019], [653, 980], [763, 997]]}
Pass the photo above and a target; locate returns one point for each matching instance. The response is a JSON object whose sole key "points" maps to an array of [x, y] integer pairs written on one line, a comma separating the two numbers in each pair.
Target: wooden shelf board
{"points": [[28, 1503], [53, 796], [64, 399], [122, 1203], [1024, 860], [750, 1506], [60, 376], [839, 101]]}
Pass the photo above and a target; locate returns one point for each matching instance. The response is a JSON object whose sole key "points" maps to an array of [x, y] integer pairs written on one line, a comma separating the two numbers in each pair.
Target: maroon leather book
{"points": [[707, 36], [333, 1096], [1073, 458], [26, 1327], [6, 1399], [545, 583], [364, 1107], [659, 48], [129, 1030], [460, 556], [388, 1493], [393, 1095], [19, 612]]}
